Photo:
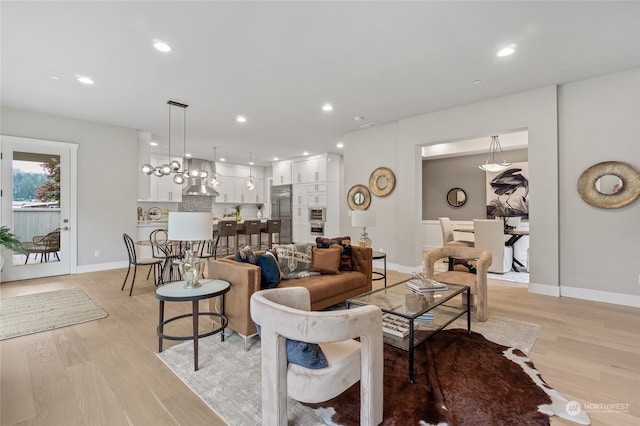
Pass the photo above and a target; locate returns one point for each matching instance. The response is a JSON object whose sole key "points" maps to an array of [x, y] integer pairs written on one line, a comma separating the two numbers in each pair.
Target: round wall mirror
{"points": [[456, 197], [382, 181], [609, 185], [359, 197]]}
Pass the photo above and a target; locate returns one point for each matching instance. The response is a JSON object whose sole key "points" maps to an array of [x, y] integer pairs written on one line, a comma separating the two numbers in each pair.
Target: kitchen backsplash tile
{"points": [[195, 203]]}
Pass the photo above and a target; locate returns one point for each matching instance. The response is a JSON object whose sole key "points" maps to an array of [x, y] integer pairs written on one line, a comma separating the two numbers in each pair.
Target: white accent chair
{"points": [[283, 313], [447, 234], [489, 235]]}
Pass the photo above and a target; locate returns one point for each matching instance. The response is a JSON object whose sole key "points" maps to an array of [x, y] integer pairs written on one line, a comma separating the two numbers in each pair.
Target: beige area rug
{"points": [[228, 380], [33, 313]]}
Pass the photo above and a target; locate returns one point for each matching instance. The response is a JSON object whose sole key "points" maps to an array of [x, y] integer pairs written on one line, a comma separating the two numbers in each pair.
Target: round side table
{"points": [[175, 292], [380, 275]]}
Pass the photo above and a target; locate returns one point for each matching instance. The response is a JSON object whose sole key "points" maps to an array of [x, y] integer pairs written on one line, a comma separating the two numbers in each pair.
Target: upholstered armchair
{"points": [[283, 313], [477, 281]]}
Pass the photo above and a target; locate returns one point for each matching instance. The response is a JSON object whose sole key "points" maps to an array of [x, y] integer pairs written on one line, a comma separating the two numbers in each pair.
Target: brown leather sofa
{"points": [[325, 290]]}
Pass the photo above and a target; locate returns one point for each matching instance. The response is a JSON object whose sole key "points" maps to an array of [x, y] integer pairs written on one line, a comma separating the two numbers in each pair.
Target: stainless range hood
{"points": [[199, 186]]}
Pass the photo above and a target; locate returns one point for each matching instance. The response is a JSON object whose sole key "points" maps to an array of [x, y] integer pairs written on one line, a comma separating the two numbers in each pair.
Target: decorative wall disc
{"points": [[382, 181], [359, 197], [610, 185]]}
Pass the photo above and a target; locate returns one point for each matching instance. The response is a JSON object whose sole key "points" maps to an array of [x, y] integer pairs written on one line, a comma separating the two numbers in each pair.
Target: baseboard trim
{"points": [[97, 267], [601, 296], [546, 290]]}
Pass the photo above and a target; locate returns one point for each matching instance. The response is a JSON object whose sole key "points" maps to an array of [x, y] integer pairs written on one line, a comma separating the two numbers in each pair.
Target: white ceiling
{"points": [[278, 62]]}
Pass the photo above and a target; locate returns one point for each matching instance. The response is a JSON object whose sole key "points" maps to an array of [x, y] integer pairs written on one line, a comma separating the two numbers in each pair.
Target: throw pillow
{"points": [[308, 355], [294, 260], [326, 261], [344, 243], [245, 255], [269, 270]]}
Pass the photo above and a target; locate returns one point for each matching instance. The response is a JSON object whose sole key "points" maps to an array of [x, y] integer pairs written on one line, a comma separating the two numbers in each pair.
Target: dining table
{"points": [[513, 236]]}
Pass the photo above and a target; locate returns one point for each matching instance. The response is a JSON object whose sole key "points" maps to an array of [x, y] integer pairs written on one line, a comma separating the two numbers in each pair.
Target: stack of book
{"points": [[426, 286], [426, 317]]}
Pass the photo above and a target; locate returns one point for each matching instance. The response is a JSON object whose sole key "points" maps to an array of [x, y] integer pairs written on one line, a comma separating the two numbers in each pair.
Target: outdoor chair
{"points": [[43, 245]]}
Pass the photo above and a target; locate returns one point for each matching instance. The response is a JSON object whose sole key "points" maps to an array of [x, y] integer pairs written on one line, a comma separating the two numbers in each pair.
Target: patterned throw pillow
{"points": [[294, 260], [245, 255], [346, 264]]}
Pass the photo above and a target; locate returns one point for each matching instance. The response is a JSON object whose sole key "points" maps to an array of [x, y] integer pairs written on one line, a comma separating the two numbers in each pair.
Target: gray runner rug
{"points": [[33, 313], [228, 380]]}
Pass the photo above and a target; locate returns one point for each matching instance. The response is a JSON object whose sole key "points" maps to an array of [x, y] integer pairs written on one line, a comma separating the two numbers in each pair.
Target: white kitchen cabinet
{"points": [[299, 195], [245, 195], [226, 189], [281, 172]]}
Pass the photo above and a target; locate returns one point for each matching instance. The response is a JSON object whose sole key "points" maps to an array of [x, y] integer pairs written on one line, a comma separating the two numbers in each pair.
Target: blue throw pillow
{"points": [[245, 255], [269, 270], [308, 355]]}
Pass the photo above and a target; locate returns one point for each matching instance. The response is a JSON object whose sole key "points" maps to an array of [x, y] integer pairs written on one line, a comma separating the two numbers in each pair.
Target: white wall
{"points": [[106, 195], [599, 120], [534, 110], [576, 250]]}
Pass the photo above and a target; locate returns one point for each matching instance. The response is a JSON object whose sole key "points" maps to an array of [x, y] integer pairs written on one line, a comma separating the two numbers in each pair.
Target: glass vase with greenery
{"points": [[237, 208]]}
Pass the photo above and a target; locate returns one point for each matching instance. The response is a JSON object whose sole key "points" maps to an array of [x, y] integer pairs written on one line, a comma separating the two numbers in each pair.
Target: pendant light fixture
{"points": [[172, 166], [250, 181], [493, 166], [215, 177]]}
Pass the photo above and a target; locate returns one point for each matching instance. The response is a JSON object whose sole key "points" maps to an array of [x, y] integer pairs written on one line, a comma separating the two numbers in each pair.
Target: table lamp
{"points": [[190, 227], [363, 218]]}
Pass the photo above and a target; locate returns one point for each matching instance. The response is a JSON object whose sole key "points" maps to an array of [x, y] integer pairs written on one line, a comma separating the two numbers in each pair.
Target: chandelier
{"points": [[250, 181], [173, 166], [493, 166]]}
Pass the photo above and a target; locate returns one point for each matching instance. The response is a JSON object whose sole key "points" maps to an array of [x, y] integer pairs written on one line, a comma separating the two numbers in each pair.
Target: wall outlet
{"points": [[96, 253]]}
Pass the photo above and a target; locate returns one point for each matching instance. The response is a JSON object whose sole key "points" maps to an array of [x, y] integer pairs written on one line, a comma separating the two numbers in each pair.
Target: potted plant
{"points": [[10, 242], [259, 214], [238, 207]]}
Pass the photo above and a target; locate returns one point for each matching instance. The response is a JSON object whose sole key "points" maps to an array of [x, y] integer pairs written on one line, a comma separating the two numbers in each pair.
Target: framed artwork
{"points": [[508, 192]]}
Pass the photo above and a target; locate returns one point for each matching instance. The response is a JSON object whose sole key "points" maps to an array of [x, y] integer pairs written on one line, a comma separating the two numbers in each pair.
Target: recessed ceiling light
{"points": [[223, 159], [84, 79], [276, 159], [507, 50], [327, 107], [241, 119], [305, 153], [340, 145], [186, 154], [358, 118], [477, 81], [54, 77], [153, 143], [161, 46], [364, 126]]}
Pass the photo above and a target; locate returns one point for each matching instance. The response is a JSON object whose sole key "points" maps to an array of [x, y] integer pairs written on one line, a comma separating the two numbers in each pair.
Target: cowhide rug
{"points": [[460, 379]]}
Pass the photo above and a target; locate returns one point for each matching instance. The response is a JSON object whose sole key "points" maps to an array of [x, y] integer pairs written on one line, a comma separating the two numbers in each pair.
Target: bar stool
{"points": [[226, 229], [273, 227], [251, 228]]}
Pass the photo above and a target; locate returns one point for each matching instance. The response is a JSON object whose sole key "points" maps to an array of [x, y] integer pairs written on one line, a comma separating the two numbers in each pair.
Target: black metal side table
{"points": [[175, 292], [380, 275]]}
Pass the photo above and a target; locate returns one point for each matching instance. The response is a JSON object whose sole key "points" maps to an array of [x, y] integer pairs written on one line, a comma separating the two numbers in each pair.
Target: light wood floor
{"points": [[106, 372]]}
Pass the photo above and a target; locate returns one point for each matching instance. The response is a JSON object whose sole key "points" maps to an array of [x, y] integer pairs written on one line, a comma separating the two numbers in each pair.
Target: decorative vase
{"points": [[259, 214], [238, 217]]}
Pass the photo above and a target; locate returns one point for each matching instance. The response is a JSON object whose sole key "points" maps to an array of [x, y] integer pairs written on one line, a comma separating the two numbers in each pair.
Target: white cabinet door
{"points": [[281, 172], [318, 199], [300, 215], [299, 195], [226, 190], [301, 233]]}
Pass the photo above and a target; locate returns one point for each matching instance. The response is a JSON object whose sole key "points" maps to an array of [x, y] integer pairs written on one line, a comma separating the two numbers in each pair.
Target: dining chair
{"points": [[274, 226], [447, 234], [154, 264], [489, 235], [284, 315]]}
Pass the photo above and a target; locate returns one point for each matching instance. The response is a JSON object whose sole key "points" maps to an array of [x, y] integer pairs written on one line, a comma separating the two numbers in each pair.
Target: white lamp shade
{"points": [[363, 218], [190, 226]]}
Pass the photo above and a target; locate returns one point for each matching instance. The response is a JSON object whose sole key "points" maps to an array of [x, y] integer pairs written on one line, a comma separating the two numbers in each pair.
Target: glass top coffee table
{"points": [[411, 318]]}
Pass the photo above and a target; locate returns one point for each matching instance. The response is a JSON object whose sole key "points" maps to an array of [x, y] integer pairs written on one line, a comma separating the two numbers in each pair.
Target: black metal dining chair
{"points": [[154, 264]]}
